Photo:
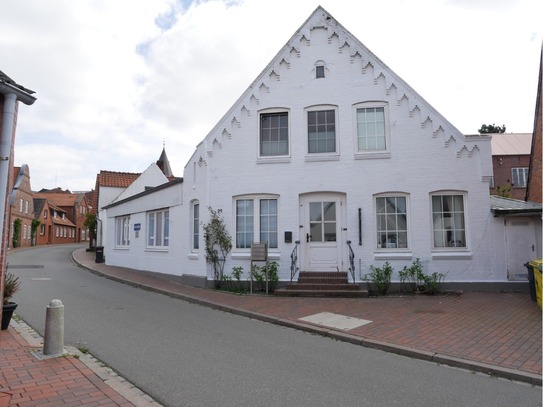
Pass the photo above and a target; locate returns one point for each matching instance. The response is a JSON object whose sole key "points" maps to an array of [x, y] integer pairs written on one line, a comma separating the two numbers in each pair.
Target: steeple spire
{"points": [[163, 163]]}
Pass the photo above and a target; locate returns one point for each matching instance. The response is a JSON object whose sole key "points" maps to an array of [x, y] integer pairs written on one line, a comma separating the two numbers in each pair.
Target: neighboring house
{"points": [[533, 192], [21, 209], [511, 162], [327, 150], [55, 226], [11, 93], [74, 205], [113, 186]]}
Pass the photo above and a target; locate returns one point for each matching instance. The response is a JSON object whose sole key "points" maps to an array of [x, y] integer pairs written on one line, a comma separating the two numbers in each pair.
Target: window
{"points": [[448, 221], [273, 134], [391, 222], [520, 177], [21, 205], [319, 71], [44, 214], [195, 226], [247, 210], [26, 206], [370, 128], [158, 229], [321, 131], [42, 229], [122, 231], [244, 223]]}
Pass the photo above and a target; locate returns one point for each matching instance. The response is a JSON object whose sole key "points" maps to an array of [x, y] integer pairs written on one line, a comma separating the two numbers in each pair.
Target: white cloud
{"points": [[114, 79]]}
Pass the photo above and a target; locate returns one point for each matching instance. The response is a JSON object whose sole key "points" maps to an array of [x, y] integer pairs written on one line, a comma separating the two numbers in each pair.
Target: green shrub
{"points": [[380, 277], [419, 282], [259, 275]]}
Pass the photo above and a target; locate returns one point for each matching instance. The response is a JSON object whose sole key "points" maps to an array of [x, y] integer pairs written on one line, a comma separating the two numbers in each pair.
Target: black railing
{"points": [[351, 260], [294, 261]]}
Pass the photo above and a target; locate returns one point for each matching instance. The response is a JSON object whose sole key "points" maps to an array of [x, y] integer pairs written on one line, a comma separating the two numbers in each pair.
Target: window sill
{"points": [[247, 256], [393, 255], [157, 249], [193, 256], [314, 158], [372, 155], [122, 248], [442, 255], [273, 160]]}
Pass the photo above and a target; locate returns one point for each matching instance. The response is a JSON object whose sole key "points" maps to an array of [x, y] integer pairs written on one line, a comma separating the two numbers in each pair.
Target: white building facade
{"points": [[327, 146]]}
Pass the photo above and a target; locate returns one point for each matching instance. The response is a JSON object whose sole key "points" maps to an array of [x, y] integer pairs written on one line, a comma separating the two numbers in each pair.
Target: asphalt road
{"points": [[189, 355]]}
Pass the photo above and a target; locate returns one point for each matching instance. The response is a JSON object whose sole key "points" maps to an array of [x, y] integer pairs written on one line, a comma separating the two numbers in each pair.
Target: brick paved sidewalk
{"points": [[496, 333], [26, 379]]}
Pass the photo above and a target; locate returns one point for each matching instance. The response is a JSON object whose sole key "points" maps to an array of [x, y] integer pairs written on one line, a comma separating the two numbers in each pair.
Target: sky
{"points": [[116, 80]]}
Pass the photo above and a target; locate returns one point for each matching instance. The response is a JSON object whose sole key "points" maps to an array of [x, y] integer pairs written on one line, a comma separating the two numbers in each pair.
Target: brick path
{"points": [[26, 381]]}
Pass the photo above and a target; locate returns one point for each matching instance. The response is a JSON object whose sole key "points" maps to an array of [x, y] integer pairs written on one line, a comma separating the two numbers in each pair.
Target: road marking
{"points": [[41, 279], [335, 321]]}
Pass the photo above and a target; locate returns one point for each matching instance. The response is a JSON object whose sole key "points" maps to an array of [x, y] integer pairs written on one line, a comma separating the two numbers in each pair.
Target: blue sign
{"points": [[137, 226]]}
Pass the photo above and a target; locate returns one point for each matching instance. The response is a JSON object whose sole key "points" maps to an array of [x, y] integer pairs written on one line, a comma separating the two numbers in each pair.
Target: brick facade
{"points": [[534, 192]]}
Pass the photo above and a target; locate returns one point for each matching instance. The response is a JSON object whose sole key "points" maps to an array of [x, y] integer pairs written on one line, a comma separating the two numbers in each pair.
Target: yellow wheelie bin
{"points": [[536, 265]]}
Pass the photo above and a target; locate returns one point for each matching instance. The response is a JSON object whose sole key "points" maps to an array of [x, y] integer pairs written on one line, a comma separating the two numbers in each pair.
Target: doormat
{"points": [[335, 321]]}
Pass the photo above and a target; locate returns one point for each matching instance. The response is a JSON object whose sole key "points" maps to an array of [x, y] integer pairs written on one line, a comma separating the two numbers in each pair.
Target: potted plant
{"points": [[11, 286]]}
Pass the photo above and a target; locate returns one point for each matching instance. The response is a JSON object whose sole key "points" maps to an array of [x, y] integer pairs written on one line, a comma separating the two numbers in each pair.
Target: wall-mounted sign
{"points": [[137, 226]]}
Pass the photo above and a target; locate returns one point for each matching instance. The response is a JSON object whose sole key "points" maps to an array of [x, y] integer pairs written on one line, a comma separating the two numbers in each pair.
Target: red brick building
{"points": [[533, 192], [74, 205], [511, 163], [21, 205]]}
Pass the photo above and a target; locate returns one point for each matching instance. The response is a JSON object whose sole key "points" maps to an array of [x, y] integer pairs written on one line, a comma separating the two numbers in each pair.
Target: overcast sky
{"points": [[115, 79]]}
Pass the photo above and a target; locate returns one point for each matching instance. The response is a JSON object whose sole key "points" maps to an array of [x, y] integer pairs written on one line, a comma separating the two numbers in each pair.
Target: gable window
{"points": [[264, 210], [195, 238], [122, 231], [391, 222], [158, 229], [448, 220], [519, 177], [273, 134], [321, 131]]}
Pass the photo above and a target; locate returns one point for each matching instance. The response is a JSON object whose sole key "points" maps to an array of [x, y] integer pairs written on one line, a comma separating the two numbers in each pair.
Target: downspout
{"points": [[8, 124]]}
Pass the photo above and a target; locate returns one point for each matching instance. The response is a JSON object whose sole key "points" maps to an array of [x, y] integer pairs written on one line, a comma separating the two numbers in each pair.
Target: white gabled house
{"points": [[327, 146]]}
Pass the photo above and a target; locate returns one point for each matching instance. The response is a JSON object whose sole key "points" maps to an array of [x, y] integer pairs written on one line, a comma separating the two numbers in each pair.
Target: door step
{"points": [[322, 284]]}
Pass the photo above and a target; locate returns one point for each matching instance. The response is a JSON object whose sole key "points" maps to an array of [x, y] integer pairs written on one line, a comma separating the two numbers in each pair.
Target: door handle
{"points": [[307, 237]]}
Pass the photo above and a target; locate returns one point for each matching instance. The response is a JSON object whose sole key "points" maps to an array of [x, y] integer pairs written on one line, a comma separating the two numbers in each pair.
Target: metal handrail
{"points": [[294, 261], [351, 260]]}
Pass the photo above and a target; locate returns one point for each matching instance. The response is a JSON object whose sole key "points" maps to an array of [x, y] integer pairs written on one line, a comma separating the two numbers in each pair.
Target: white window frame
{"points": [[195, 229], [256, 221], [392, 246], [325, 155], [273, 111], [122, 231], [158, 227], [42, 229], [454, 241], [519, 174], [370, 154]]}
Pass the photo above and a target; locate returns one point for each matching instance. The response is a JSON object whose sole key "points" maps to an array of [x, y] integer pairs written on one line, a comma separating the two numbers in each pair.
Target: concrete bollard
{"points": [[53, 341]]}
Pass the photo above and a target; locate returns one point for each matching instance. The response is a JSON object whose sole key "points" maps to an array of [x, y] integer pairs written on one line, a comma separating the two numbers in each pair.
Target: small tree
{"points": [[218, 244], [16, 232], [90, 224], [33, 229], [491, 128]]}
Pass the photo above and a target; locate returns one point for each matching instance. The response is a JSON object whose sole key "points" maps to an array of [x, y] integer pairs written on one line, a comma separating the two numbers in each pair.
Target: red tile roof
{"points": [[115, 179]]}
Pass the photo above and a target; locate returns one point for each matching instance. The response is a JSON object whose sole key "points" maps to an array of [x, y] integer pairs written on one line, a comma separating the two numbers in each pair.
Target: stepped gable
{"points": [[371, 70]]}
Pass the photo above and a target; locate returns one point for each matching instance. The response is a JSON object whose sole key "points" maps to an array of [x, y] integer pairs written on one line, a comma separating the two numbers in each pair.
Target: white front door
{"points": [[321, 234]]}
